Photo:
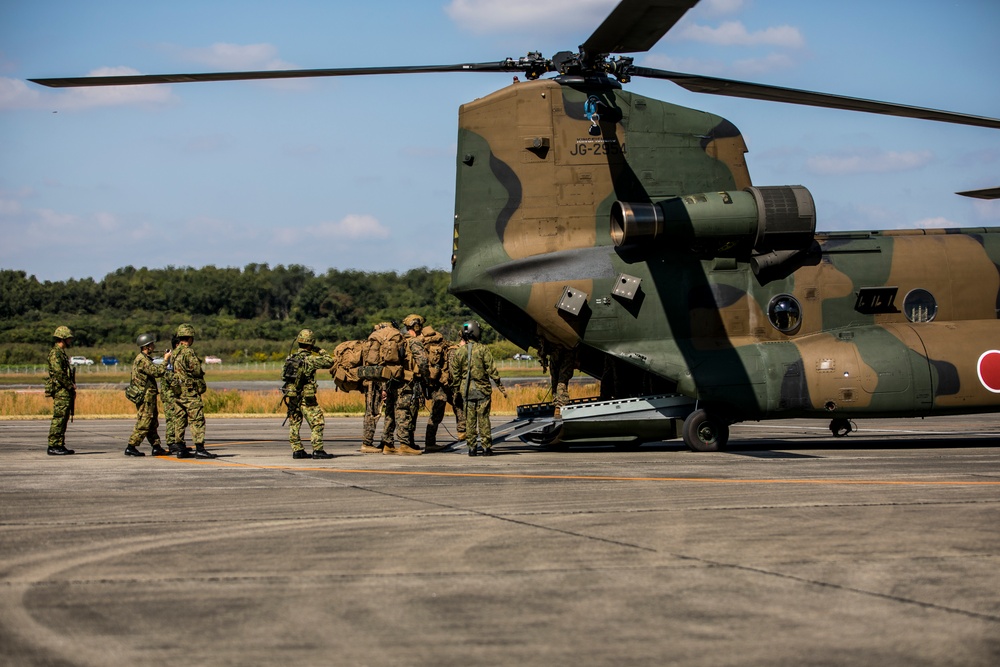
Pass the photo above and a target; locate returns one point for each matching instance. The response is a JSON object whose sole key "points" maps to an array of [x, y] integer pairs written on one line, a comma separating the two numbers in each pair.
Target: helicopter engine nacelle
{"points": [[775, 222]]}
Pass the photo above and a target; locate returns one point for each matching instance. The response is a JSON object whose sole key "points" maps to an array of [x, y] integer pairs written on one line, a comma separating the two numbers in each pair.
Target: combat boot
{"points": [[159, 451], [202, 453], [300, 454], [132, 451], [321, 454], [59, 450], [389, 449], [182, 451], [370, 449], [406, 450]]}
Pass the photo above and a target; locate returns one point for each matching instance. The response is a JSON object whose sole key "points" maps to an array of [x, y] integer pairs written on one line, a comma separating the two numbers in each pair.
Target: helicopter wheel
{"points": [[704, 433], [840, 427]]}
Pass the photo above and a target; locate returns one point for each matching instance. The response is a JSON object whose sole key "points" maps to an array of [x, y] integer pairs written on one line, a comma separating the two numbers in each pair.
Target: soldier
{"points": [[169, 398], [144, 374], [472, 370], [301, 396], [61, 386], [438, 384], [190, 409], [410, 392], [560, 361], [375, 395]]}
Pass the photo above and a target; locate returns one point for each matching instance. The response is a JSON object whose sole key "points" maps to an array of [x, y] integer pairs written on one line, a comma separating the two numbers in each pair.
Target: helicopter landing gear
{"points": [[704, 432], [841, 427]]}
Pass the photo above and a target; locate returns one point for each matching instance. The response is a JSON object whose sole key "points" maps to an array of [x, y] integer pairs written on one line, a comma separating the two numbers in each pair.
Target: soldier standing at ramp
{"points": [[472, 370]]}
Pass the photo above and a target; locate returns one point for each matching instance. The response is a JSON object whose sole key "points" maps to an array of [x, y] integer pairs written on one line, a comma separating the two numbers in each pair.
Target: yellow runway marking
{"points": [[591, 478]]}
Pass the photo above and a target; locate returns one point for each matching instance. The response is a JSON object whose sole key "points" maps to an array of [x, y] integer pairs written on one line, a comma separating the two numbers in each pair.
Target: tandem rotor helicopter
{"points": [[627, 231]]}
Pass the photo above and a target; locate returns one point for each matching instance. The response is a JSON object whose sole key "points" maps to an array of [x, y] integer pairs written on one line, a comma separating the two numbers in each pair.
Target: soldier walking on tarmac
{"points": [[61, 386], [300, 395], [190, 408], [438, 386], [143, 383], [472, 370]]}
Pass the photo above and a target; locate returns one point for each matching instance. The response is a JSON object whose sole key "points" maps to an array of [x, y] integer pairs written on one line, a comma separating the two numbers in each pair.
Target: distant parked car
{"points": [[109, 361], [80, 361], [522, 357], [212, 360]]}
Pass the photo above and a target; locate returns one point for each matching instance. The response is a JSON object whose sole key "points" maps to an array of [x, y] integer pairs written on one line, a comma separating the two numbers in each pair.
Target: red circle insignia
{"points": [[989, 370]]}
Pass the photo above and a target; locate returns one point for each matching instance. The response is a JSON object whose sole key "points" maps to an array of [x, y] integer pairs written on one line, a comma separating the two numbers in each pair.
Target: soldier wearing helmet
{"points": [[168, 395], [471, 372], [189, 378], [410, 391], [61, 386], [144, 374], [300, 395]]}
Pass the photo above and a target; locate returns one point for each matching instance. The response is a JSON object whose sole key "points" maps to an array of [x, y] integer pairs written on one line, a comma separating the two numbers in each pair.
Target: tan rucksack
{"points": [[383, 354], [436, 348], [347, 359]]}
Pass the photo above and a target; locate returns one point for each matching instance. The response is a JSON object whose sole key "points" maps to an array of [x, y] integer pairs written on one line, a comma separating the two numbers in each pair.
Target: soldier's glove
{"points": [[502, 390]]}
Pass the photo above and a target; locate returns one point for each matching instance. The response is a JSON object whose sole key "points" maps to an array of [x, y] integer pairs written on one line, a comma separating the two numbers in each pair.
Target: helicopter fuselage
{"points": [[628, 229]]}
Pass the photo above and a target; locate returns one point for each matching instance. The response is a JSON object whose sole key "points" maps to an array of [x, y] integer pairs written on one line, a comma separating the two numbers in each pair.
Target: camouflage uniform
{"points": [[61, 386], [560, 361], [147, 423], [190, 409], [373, 411], [471, 372], [312, 361], [439, 386], [375, 407], [169, 400], [410, 395]]}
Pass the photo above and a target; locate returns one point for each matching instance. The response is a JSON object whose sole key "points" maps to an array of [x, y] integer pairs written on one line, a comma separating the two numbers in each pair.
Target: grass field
{"points": [[107, 403]]}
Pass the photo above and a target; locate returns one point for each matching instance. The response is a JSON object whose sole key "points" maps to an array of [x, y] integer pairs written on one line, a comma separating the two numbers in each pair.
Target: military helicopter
{"points": [[627, 230]]}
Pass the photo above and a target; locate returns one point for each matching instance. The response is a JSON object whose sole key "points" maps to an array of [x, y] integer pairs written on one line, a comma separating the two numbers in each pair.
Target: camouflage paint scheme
{"points": [[534, 195]]}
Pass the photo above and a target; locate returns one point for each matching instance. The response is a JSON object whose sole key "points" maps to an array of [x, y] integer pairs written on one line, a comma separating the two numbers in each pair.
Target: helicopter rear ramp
{"points": [[626, 420]]}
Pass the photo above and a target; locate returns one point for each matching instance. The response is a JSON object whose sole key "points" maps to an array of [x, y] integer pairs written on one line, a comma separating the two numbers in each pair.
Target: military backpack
{"points": [[347, 359]]}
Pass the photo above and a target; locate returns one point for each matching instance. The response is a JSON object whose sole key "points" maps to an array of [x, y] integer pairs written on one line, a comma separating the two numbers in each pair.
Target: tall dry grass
{"points": [[112, 402]]}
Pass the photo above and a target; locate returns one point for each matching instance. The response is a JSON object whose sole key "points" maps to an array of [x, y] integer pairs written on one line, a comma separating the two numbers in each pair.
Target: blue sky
{"points": [[358, 172]]}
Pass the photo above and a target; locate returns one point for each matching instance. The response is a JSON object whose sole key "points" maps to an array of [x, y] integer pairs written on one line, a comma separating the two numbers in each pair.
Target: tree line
{"points": [[253, 309]]}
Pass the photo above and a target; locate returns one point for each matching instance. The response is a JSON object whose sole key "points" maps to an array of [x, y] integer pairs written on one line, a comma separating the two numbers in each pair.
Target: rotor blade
{"points": [[987, 193], [139, 79], [757, 91], [636, 25]]}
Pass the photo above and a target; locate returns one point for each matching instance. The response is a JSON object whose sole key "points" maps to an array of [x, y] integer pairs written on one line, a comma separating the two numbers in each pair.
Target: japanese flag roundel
{"points": [[989, 370]]}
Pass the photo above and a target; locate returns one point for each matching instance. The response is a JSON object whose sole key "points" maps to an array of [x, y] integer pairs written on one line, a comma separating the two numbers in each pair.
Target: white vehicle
{"points": [[522, 357], [80, 361], [213, 360]]}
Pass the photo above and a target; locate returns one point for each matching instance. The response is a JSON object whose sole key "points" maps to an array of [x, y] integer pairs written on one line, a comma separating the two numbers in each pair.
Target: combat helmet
{"points": [[62, 333], [145, 339], [306, 337], [470, 330], [185, 331], [413, 321]]}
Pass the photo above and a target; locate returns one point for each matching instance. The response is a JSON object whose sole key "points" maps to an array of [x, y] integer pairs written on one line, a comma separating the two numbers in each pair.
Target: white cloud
{"points": [[719, 7], [17, 94], [935, 223], [484, 16], [353, 227], [868, 162], [225, 56], [734, 33]]}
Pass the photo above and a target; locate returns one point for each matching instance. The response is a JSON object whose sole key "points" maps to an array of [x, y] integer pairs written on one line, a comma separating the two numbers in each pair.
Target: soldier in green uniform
{"points": [[410, 392], [144, 374], [438, 385], [375, 395], [190, 410], [169, 398], [61, 386], [301, 397], [560, 362], [471, 372]]}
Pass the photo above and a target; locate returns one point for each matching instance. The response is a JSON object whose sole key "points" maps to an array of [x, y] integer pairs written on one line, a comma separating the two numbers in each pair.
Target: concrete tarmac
{"points": [[792, 548]]}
